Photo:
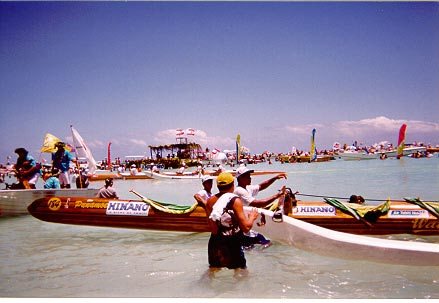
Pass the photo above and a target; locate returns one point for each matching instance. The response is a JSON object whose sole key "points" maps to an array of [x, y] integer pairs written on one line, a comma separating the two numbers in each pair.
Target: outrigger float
{"points": [[323, 228]]}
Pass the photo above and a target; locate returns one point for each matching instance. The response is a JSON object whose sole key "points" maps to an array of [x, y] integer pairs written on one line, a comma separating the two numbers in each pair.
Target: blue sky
{"points": [[131, 73]]}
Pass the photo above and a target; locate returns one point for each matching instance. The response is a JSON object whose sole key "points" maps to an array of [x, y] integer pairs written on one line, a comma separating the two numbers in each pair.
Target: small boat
{"points": [[123, 176], [174, 175], [355, 155], [195, 175], [396, 218], [14, 202], [362, 155], [150, 214]]}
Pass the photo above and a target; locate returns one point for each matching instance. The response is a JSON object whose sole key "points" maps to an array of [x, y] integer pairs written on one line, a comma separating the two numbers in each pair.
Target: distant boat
{"points": [[362, 155]]}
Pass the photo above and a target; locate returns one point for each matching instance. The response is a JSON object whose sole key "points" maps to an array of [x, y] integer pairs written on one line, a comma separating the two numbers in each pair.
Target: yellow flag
{"points": [[49, 144]]}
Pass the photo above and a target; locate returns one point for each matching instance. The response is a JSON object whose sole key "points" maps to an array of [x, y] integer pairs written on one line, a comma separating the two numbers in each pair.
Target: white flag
{"points": [[83, 151]]}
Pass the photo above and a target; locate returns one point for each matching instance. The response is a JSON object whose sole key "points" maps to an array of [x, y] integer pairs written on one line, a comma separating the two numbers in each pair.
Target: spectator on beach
{"points": [[108, 192], [27, 170], [247, 192], [227, 222], [203, 195], [61, 160], [52, 180]]}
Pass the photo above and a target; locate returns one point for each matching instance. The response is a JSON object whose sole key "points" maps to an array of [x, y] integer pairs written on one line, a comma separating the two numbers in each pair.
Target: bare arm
{"points": [[245, 221], [270, 181], [200, 200], [264, 202]]}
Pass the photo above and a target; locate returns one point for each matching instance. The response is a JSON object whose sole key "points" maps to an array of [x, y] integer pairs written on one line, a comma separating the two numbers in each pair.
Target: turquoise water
{"points": [[40, 259]]}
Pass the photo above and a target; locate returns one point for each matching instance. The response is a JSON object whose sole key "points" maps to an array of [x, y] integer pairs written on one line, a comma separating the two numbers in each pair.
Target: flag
{"points": [[82, 151], [190, 132], [401, 140], [49, 143], [180, 132], [238, 148], [313, 151]]}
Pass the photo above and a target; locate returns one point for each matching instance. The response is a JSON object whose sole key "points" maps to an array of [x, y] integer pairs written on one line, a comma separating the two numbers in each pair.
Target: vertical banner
{"points": [[238, 148], [401, 141], [109, 156], [313, 151]]}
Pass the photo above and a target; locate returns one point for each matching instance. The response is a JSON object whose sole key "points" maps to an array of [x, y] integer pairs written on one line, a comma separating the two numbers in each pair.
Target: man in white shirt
{"points": [[247, 192]]}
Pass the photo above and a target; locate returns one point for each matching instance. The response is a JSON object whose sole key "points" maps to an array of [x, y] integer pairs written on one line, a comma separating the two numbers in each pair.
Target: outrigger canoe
{"points": [[389, 218], [147, 174], [194, 175], [150, 214]]}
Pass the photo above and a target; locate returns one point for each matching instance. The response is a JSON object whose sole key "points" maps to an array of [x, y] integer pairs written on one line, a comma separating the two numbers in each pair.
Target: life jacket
{"points": [[228, 223]]}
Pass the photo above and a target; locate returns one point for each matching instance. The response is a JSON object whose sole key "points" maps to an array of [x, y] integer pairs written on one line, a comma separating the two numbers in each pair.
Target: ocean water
{"points": [[40, 259]]}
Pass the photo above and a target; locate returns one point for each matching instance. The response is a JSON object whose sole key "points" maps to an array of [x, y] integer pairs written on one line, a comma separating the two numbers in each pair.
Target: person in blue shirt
{"points": [[27, 170], [53, 181], [61, 160]]}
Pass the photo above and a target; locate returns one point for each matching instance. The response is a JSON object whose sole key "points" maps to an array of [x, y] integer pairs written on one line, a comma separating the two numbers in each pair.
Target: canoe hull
{"points": [[15, 202], [115, 213], [402, 218]]}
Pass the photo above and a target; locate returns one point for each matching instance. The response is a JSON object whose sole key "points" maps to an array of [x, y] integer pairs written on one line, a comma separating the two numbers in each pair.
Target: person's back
{"points": [[108, 192], [227, 222], [82, 180]]}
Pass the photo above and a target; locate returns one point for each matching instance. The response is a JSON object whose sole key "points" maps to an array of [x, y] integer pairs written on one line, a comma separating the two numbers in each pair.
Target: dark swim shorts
{"points": [[226, 251]]}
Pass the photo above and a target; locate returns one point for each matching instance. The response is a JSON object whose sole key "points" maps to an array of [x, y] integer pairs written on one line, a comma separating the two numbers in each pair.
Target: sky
{"points": [[131, 73]]}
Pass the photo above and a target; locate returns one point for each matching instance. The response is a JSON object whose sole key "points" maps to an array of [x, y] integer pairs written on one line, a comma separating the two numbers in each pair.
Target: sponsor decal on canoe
{"points": [[127, 208], [90, 204], [408, 213], [54, 204], [426, 224], [314, 210]]}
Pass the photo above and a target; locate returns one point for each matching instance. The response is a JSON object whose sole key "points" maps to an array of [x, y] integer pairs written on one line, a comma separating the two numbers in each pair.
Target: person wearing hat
{"points": [[61, 160], [27, 170], [203, 195], [227, 222], [108, 192], [247, 192]]}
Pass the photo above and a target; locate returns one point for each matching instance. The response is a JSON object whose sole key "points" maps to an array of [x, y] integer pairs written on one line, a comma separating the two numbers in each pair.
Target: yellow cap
{"points": [[224, 179]]}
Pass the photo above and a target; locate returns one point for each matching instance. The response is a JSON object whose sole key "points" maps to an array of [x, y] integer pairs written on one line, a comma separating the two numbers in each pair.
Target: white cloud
{"points": [[367, 131], [137, 142]]}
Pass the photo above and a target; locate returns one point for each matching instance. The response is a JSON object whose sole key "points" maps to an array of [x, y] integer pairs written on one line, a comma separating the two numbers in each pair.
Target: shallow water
{"points": [[40, 259]]}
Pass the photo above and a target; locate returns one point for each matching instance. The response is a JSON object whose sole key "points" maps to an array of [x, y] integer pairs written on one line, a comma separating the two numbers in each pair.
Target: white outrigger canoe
{"points": [[173, 175], [327, 242]]}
